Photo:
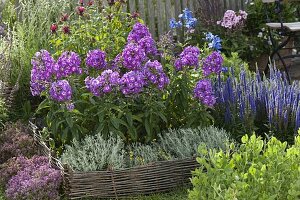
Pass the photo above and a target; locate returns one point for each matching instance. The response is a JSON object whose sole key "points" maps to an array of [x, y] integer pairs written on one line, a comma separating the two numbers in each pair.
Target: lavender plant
{"points": [[97, 153], [254, 103]]}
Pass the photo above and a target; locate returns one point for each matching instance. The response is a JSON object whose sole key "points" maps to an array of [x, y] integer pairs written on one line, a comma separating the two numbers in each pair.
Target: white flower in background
{"points": [[263, 29], [260, 35], [251, 48]]}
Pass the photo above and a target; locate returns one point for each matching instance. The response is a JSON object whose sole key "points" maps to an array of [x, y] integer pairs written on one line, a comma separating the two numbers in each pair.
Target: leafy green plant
{"points": [[92, 28], [254, 170], [27, 32]]}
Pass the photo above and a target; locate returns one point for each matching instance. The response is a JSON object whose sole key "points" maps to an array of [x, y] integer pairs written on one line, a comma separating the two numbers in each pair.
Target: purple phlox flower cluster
{"points": [[189, 57], [67, 64], [133, 56], [60, 91], [186, 19], [214, 41], [132, 82], [155, 74], [149, 46], [41, 73], [37, 180], [232, 20], [138, 32], [204, 92], [96, 59], [141, 36], [212, 63], [104, 83]]}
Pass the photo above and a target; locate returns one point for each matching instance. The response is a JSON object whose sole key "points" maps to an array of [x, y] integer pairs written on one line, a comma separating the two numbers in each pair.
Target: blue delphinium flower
{"points": [[186, 18], [174, 24], [214, 41]]}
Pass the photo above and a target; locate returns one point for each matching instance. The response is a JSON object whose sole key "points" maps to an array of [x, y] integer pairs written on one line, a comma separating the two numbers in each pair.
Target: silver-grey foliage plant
{"points": [[183, 143], [96, 153]]}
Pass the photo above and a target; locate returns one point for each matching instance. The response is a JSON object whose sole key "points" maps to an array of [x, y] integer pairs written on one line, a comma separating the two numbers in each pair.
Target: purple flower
{"points": [[204, 92], [70, 106], [104, 83], [132, 82], [138, 32], [212, 64], [36, 180], [67, 64], [133, 56], [41, 73], [154, 73], [60, 91], [96, 59], [148, 44], [232, 20], [189, 57]]}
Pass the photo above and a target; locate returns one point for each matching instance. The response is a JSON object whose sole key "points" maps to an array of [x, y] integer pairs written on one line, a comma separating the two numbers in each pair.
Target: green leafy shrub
{"points": [[96, 153], [255, 170], [94, 27]]}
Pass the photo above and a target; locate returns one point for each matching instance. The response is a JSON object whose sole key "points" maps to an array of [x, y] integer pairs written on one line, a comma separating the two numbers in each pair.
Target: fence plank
{"points": [[151, 17], [177, 8], [160, 17], [141, 9], [168, 9], [132, 7], [184, 4], [190, 5]]}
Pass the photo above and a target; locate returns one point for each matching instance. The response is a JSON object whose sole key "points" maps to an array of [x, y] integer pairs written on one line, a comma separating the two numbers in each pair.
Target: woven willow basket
{"points": [[156, 177]]}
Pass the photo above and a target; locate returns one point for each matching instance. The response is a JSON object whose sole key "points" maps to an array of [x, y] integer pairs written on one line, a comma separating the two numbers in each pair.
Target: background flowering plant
{"points": [[89, 26]]}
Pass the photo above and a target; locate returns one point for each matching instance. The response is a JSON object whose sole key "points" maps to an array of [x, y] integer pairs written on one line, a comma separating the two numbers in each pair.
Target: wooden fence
{"points": [[157, 13]]}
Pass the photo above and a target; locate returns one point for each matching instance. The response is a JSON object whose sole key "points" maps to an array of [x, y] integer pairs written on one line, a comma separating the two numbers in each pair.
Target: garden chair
{"points": [[288, 30]]}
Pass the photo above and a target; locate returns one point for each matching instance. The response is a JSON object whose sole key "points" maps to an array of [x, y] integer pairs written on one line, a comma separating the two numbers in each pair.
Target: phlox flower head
{"points": [[60, 91], [232, 20], [96, 59], [189, 58], [148, 45], [103, 84], [138, 32], [41, 72], [133, 56], [154, 73], [67, 64], [132, 82], [204, 92], [212, 63]]}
